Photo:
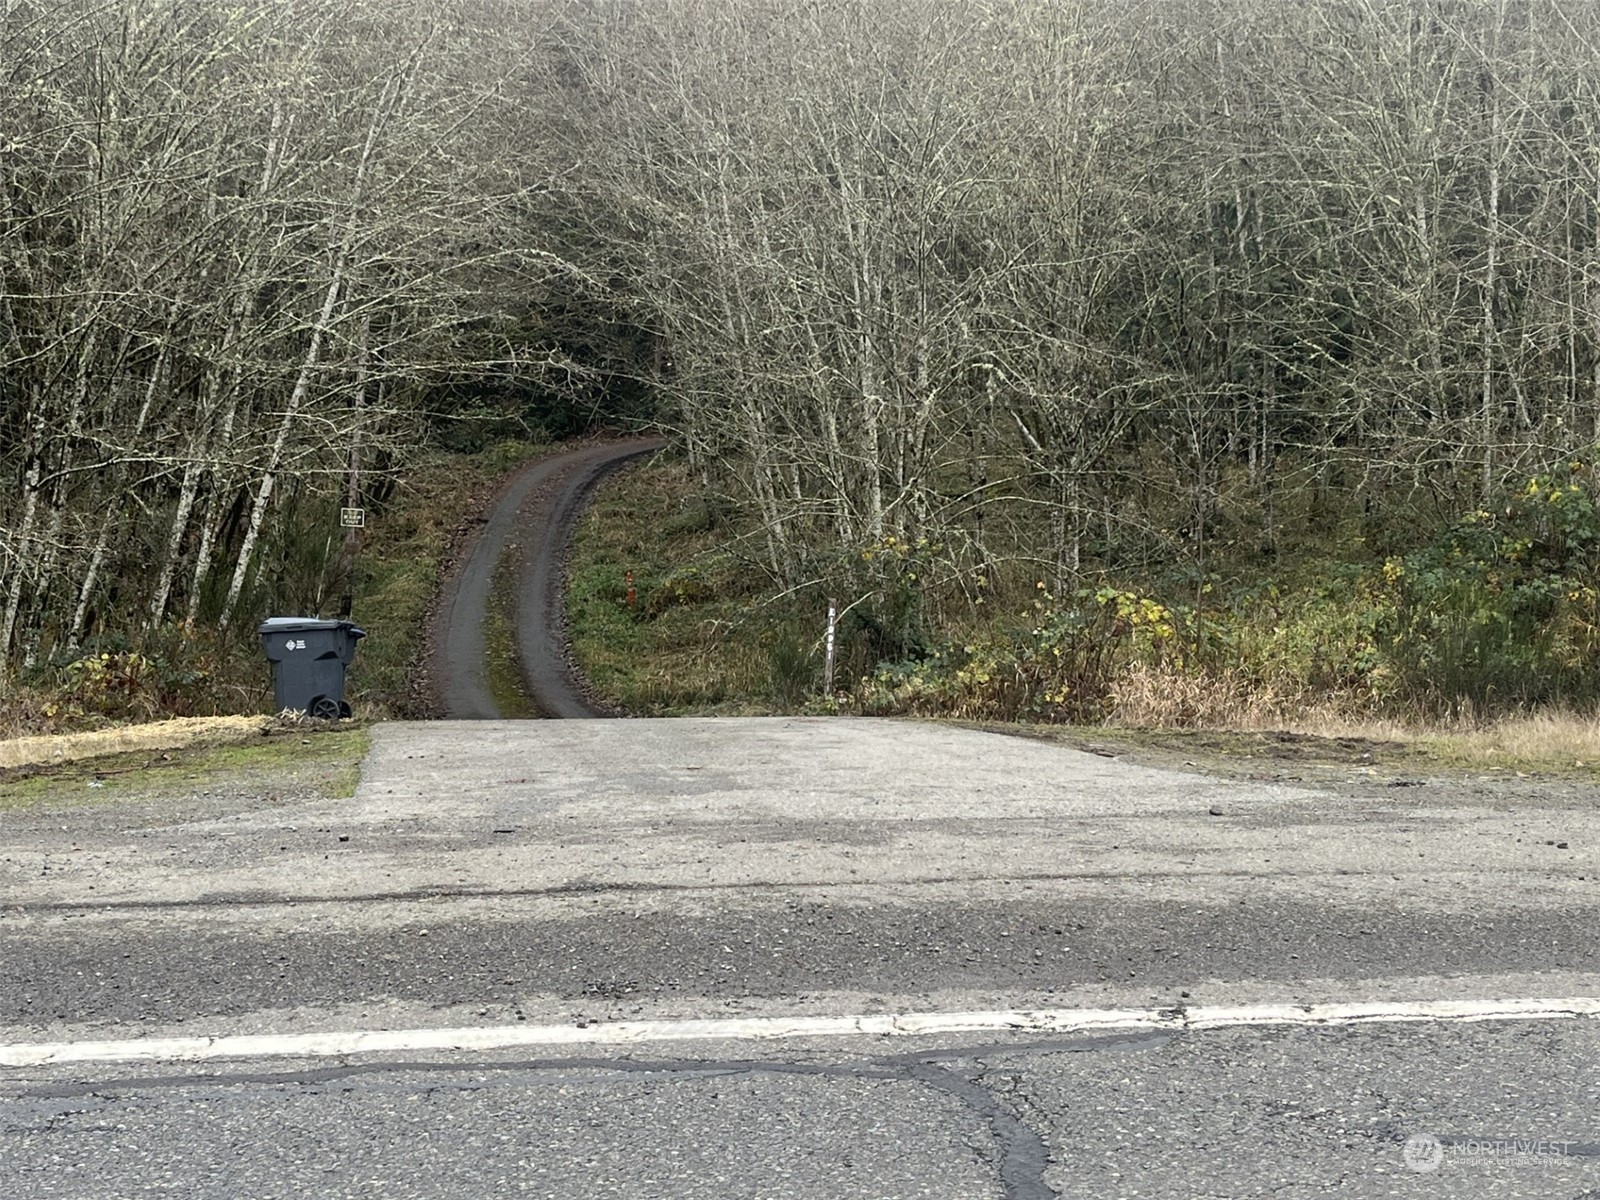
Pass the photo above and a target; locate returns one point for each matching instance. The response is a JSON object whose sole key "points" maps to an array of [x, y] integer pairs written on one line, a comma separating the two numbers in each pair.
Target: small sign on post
{"points": [[353, 518]]}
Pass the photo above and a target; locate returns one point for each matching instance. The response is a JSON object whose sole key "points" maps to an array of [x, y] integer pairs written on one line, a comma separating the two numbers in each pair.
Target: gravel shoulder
{"points": [[281, 760]]}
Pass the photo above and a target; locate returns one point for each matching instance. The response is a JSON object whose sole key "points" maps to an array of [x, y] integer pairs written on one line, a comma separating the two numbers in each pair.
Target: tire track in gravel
{"points": [[533, 517]]}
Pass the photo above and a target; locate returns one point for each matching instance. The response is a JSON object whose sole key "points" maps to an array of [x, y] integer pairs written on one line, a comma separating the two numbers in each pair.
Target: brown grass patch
{"points": [[1150, 698], [1160, 698], [1551, 740], [177, 734]]}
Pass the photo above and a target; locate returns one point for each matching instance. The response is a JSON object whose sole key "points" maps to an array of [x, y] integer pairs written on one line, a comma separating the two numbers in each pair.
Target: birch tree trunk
{"points": [[387, 103]]}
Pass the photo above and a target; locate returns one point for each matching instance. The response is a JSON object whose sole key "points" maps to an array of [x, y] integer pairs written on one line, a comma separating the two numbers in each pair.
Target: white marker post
{"points": [[827, 658]]}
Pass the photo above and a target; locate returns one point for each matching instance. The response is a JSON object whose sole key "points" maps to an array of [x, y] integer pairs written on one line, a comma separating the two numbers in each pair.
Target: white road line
{"points": [[621, 1033]]}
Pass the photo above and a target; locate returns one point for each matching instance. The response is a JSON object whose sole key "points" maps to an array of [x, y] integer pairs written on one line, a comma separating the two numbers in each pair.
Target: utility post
{"points": [[352, 516]]}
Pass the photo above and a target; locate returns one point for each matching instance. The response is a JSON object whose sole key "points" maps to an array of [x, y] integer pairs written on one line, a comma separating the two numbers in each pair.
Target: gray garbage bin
{"points": [[308, 659]]}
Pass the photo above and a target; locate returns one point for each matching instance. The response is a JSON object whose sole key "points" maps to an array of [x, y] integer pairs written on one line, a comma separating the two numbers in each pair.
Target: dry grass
{"points": [[160, 735], [1148, 698], [1160, 698], [1543, 740]]}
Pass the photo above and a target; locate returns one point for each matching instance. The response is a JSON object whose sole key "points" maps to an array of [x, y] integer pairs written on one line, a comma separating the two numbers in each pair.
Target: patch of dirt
{"points": [[1275, 745], [1342, 765], [1279, 745]]}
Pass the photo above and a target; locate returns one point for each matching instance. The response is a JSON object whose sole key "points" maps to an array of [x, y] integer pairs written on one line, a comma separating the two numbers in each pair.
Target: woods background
{"points": [[1260, 339]]}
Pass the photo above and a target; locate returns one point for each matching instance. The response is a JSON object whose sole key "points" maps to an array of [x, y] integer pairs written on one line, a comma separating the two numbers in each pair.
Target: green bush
{"points": [[1500, 611], [1061, 667]]}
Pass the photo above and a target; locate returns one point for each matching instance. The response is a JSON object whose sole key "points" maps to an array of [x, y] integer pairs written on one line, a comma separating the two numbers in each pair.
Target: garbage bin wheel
{"points": [[324, 708]]}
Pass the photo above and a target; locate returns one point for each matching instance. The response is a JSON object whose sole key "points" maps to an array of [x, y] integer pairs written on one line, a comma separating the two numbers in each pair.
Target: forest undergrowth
{"points": [[1360, 624], [206, 671]]}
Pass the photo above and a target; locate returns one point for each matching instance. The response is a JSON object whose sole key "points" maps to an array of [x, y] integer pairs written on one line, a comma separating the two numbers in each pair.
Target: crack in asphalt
{"points": [[1024, 1157], [624, 887], [1021, 1162], [885, 1063]]}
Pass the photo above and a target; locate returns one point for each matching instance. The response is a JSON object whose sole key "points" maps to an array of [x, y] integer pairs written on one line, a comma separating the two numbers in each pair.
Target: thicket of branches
{"points": [[242, 249], [991, 273], [1034, 281]]}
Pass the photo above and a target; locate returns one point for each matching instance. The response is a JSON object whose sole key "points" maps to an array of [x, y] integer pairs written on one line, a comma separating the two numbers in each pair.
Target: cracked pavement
{"points": [[500, 873]]}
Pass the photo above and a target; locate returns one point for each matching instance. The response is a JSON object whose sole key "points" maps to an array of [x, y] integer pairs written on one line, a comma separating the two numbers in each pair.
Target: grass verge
{"points": [[696, 639], [311, 762]]}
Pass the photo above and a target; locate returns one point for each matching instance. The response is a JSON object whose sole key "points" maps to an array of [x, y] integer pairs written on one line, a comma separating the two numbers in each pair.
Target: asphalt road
{"points": [[537, 884]]}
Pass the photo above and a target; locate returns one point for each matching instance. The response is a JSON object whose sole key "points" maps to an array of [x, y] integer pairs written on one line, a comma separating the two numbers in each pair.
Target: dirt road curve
{"points": [[533, 519]]}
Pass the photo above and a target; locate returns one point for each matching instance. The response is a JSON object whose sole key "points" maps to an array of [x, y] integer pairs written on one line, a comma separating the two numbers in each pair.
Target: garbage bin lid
{"points": [[305, 624]]}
